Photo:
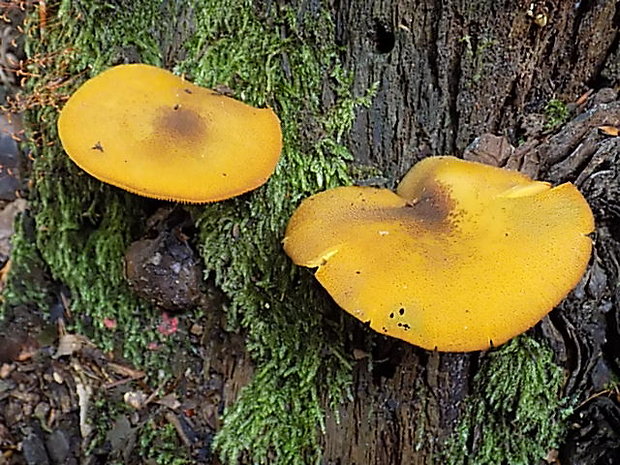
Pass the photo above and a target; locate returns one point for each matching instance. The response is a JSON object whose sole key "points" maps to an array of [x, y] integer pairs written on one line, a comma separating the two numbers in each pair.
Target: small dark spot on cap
{"points": [[402, 311], [176, 107], [358, 272], [97, 146], [384, 329], [391, 315], [187, 91], [224, 174]]}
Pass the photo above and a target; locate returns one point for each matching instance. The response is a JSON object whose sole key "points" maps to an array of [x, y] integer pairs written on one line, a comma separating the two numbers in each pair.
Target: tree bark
{"points": [[450, 71], [447, 73]]}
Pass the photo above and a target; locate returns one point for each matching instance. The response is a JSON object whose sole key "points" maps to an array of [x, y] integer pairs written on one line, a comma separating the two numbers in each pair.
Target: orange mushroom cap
{"points": [[463, 257], [150, 132]]}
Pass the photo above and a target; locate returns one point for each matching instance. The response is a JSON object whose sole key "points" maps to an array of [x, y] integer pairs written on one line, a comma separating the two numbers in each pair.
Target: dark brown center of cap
{"points": [[180, 123]]}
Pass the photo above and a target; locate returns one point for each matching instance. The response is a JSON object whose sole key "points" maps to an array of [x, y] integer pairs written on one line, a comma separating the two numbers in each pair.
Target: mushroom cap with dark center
{"points": [[152, 133], [462, 257]]}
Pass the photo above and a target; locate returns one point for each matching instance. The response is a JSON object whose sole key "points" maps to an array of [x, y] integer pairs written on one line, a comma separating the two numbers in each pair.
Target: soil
{"points": [[50, 380]]}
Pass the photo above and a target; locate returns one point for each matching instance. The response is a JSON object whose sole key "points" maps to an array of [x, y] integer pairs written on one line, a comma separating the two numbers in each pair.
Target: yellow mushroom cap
{"points": [[150, 132], [463, 257]]}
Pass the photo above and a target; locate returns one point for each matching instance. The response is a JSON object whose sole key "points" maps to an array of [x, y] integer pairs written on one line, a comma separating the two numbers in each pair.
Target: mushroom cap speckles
{"points": [[463, 257], [152, 133]]}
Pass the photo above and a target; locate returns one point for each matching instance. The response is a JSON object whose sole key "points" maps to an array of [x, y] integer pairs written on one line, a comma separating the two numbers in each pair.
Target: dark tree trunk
{"points": [[448, 72]]}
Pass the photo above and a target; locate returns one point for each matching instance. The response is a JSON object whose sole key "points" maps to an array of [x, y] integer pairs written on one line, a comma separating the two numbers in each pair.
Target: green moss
{"points": [[82, 225], [515, 412], [298, 358], [103, 411], [104, 33], [476, 52], [82, 229], [156, 440], [160, 445], [557, 114]]}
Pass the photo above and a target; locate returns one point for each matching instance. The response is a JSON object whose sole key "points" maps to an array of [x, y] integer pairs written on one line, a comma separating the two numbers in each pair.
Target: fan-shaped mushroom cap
{"points": [[152, 133], [463, 257]]}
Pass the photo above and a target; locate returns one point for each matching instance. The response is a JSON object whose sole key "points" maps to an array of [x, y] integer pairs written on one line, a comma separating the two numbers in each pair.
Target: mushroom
{"points": [[152, 133], [463, 256]]}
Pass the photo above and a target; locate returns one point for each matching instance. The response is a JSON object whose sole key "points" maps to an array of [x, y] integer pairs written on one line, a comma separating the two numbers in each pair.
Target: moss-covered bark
{"points": [[83, 226], [516, 410], [268, 57]]}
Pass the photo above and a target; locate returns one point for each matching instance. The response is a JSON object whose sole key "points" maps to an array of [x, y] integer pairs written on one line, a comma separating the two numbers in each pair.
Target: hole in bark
{"points": [[386, 357], [384, 36], [614, 231], [599, 81]]}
